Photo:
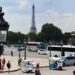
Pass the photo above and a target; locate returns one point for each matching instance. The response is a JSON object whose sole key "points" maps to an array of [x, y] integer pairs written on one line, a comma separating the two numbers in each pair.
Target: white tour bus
{"points": [[34, 46]]}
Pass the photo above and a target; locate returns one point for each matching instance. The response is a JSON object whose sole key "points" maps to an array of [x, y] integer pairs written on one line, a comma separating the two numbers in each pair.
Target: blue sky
{"points": [[18, 13]]}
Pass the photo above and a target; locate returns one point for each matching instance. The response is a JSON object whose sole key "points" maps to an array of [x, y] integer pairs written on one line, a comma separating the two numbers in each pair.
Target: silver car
{"points": [[68, 60]]}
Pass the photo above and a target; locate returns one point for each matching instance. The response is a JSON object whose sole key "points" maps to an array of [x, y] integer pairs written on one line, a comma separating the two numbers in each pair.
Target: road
{"points": [[7, 51], [45, 71]]}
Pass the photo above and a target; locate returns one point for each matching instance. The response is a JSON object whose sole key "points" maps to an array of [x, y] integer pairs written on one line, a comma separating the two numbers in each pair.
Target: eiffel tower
{"points": [[33, 27]]}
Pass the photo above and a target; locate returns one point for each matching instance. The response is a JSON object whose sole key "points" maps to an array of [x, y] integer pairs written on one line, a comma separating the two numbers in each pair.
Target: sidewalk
{"points": [[14, 63]]}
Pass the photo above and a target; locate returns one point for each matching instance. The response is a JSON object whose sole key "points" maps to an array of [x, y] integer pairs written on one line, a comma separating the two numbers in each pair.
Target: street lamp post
{"points": [[19, 49], [3, 27], [50, 49], [25, 43], [3, 30], [61, 48]]}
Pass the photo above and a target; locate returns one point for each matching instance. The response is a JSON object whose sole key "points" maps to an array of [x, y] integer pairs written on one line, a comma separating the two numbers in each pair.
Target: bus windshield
{"points": [[42, 45]]}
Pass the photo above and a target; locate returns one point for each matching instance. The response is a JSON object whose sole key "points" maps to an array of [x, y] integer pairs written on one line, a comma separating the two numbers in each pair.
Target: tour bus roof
{"points": [[35, 42]]}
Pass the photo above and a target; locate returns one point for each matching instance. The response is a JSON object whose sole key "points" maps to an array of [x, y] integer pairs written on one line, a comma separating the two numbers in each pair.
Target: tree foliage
{"points": [[41, 37], [67, 36], [14, 37], [48, 32], [32, 36], [51, 32]]}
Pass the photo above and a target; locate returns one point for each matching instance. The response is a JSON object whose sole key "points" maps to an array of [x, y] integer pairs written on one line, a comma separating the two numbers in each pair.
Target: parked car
{"points": [[67, 60]]}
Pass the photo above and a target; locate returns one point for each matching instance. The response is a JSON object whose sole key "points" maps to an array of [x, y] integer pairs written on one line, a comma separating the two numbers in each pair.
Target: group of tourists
{"points": [[3, 63]]}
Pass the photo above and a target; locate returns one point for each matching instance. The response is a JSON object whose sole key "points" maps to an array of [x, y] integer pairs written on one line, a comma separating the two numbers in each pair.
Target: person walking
{"points": [[0, 64], [11, 53], [37, 70], [8, 65], [19, 61], [3, 63]]}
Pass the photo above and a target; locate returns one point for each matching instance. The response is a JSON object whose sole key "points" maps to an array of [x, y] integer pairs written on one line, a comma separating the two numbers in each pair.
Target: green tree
{"points": [[51, 32], [32, 36], [14, 37], [67, 36], [41, 37]]}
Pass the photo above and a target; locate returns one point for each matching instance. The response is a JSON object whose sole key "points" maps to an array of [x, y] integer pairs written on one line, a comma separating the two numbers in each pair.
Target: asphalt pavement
{"points": [[41, 59]]}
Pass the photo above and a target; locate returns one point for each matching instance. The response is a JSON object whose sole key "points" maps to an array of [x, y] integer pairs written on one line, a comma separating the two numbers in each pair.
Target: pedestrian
{"points": [[2, 67], [37, 70], [19, 61], [3, 61], [8, 65], [11, 53], [0, 64], [73, 72]]}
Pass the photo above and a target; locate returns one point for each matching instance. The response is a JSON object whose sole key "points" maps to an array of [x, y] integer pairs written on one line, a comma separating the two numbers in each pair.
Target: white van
{"points": [[27, 66]]}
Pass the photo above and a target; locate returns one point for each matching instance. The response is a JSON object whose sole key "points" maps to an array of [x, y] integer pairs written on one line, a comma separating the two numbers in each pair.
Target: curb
{"points": [[11, 70], [42, 66], [20, 68]]}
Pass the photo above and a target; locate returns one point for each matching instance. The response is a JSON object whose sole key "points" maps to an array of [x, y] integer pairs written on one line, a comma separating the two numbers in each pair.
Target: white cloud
{"points": [[19, 22], [23, 3], [53, 13], [65, 21], [68, 14], [22, 22], [5, 9]]}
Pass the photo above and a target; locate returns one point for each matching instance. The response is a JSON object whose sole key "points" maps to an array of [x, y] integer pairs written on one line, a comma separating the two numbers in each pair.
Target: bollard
{"points": [[73, 72]]}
